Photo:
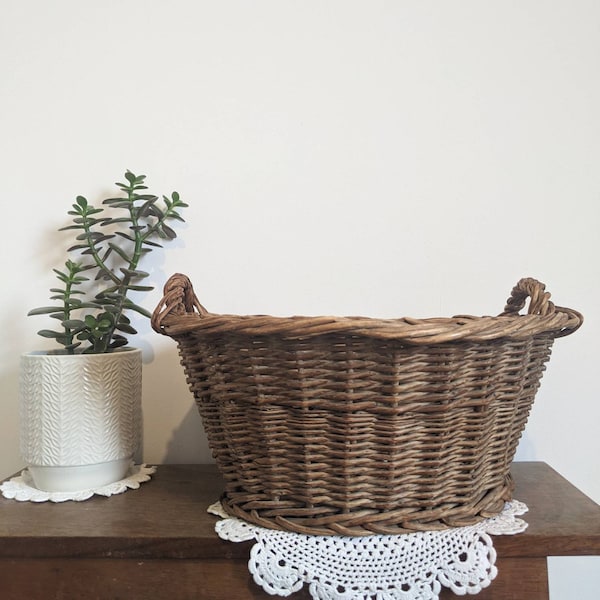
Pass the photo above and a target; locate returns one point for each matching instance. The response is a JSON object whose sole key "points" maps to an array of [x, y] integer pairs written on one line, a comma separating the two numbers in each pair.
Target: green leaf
{"points": [[73, 324], [124, 235], [81, 201], [103, 274], [44, 310], [107, 291], [106, 254], [102, 222], [94, 236], [135, 273], [118, 341], [117, 202], [118, 220], [86, 267], [67, 227], [175, 215], [94, 211], [138, 309], [153, 244], [62, 276], [140, 288], [94, 305], [47, 333], [155, 211], [120, 252], [111, 308], [169, 233], [147, 211], [126, 328], [77, 247]]}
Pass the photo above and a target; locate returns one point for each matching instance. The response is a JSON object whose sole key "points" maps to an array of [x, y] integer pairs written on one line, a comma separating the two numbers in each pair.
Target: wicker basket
{"points": [[355, 426]]}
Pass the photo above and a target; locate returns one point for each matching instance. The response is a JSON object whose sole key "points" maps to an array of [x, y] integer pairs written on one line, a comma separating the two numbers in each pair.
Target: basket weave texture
{"points": [[356, 426]]}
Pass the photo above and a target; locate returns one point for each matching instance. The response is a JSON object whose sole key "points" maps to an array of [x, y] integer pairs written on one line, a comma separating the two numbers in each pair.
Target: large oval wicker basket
{"points": [[354, 426]]}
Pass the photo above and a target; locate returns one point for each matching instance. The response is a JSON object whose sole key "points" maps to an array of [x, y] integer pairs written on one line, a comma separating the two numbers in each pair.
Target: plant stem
{"points": [[123, 283], [92, 248], [67, 311]]}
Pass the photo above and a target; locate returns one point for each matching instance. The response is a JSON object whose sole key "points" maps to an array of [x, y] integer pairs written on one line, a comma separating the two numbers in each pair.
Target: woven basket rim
{"points": [[180, 313], [416, 331]]}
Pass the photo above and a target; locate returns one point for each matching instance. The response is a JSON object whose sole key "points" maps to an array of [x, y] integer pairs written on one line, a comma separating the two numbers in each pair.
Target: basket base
{"points": [[286, 515]]}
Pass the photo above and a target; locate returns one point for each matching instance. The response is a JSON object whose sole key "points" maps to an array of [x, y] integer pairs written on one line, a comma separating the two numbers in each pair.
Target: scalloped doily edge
{"points": [[21, 487], [282, 574]]}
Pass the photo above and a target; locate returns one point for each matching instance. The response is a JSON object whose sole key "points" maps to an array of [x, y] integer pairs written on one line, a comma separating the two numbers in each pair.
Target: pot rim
{"points": [[80, 355]]}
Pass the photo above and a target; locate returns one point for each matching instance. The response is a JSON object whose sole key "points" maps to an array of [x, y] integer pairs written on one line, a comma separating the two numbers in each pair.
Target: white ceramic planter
{"points": [[80, 417]]}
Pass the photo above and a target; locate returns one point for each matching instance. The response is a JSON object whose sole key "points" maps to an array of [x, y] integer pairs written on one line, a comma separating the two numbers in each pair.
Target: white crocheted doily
{"points": [[413, 566], [22, 487]]}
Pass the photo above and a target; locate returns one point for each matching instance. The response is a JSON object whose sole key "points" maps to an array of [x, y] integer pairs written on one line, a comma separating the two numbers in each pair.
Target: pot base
{"points": [[77, 478]]}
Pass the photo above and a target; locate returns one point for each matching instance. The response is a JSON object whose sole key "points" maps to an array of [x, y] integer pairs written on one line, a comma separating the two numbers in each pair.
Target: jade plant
{"points": [[95, 290]]}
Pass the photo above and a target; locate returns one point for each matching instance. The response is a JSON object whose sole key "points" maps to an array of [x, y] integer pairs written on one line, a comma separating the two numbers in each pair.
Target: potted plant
{"points": [[80, 405]]}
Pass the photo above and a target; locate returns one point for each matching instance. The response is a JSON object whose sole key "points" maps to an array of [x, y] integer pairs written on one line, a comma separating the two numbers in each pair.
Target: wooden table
{"points": [[158, 542]]}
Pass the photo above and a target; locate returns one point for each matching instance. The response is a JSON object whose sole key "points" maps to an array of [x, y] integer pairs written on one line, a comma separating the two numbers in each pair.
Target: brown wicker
{"points": [[354, 426]]}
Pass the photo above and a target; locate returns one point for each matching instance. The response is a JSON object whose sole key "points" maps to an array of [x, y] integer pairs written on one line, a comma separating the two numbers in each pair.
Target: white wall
{"points": [[379, 158]]}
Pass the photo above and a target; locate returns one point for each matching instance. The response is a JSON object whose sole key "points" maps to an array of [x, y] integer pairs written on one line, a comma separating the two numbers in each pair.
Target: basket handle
{"points": [[540, 304], [178, 299]]}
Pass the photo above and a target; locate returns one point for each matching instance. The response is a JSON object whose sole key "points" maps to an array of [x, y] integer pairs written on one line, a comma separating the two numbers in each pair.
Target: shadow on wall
{"points": [[188, 441], [173, 431]]}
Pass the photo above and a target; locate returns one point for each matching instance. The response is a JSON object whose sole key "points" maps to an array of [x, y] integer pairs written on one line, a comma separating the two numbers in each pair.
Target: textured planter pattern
{"points": [[81, 409]]}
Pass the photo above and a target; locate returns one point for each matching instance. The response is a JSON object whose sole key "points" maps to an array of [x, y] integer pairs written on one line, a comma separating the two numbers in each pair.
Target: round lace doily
{"points": [[412, 566], [22, 487]]}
